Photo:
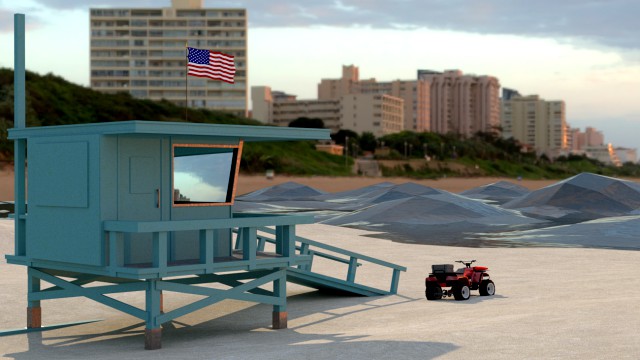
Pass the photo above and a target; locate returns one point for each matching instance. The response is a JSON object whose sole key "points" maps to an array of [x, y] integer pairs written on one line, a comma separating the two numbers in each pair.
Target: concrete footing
{"points": [[34, 317], [279, 320], [152, 339]]}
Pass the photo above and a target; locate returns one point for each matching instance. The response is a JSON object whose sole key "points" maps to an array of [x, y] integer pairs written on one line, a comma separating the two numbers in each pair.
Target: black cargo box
{"points": [[444, 268]]}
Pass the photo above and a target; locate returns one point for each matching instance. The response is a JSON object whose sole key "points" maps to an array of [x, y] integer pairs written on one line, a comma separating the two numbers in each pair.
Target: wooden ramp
{"points": [[348, 284], [331, 284]]}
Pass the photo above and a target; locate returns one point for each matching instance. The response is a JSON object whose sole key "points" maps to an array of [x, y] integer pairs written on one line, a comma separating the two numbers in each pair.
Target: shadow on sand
{"points": [[246, 334]]}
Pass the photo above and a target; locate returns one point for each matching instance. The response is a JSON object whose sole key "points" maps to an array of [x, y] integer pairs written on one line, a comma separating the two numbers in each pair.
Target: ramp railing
{"points": [[314, 249]]}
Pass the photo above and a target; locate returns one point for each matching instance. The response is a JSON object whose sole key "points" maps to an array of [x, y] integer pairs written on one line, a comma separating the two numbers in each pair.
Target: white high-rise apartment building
{"points": [[142, 51], [536, 122]]}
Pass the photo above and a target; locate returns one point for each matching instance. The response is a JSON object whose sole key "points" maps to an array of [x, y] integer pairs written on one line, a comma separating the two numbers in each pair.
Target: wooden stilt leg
{"points": [[153, 331], [152, 339], [34, 311], [34, 317], [279, 320]]}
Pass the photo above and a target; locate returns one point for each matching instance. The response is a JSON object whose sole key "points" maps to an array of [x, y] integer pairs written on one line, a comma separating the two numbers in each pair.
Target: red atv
{"points": [[460, 283]]}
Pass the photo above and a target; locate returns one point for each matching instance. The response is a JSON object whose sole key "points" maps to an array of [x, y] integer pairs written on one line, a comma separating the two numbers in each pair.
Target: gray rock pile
{"points": [[499, 214], [585, 196], [499, 192]]}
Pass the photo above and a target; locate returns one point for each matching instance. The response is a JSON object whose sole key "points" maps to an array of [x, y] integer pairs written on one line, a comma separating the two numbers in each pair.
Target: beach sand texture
{"points": [[566, 303], [549, 303]]}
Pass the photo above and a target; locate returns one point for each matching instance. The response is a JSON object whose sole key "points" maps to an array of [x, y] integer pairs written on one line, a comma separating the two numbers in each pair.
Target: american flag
{"points": [[211, 64]]}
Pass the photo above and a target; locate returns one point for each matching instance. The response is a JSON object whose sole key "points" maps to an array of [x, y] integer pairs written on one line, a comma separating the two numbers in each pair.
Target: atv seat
{"points": [[441, 271]]}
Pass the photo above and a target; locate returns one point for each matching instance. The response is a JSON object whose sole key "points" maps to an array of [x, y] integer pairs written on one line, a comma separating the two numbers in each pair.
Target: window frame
{"points": [[233, 173]]}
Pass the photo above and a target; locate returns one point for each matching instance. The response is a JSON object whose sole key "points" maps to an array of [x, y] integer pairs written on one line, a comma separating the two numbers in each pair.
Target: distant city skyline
{"points": [[585, 54]]}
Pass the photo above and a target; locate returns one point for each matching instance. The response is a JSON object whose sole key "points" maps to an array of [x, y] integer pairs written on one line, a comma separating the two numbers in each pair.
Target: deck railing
{"points": [[245, 224]]}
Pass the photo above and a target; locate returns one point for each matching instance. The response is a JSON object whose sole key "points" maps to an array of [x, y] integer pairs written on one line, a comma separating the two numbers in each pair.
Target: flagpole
{"points": [[186, 83]]}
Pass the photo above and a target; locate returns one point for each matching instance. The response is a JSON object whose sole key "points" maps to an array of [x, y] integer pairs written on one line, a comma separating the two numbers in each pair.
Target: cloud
{"points": [[605, 22], [7, 23], [81, 4]]}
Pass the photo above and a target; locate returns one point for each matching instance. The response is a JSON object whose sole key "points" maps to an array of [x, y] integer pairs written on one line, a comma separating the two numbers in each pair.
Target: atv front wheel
{"points": [[461, 292], [433, 292], [487, 288]]}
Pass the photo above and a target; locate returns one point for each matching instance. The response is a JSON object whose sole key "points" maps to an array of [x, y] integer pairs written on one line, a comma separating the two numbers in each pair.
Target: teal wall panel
{"points": [[61, 174], [108, 167], [139, 169], [63, 222]]}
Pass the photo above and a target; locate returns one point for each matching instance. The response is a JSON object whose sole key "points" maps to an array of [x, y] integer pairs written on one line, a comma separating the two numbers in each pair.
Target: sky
{"points": [[585, 52]]}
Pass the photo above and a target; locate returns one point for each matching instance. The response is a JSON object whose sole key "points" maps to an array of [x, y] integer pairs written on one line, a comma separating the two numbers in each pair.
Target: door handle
{"points": [[158, 198]]}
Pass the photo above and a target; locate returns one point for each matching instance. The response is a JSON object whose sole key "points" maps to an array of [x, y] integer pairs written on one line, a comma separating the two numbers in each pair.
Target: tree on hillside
{"points": [[367, 141], [340, 136], [309, 123]]}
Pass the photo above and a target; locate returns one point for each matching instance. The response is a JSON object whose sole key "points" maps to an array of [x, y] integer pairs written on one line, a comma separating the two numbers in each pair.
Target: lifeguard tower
{"points": [[147, 206]]}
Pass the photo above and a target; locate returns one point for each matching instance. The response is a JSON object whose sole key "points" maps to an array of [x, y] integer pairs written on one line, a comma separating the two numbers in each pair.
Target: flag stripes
{"points": [[211, 64]]}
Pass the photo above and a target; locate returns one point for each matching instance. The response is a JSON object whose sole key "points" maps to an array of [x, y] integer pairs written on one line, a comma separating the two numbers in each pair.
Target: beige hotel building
{"points": [[142, 51], [536, 122], [379, 114], [414, 94]]}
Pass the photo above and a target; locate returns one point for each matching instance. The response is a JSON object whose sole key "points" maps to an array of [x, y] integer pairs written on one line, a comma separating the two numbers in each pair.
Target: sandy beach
{"points": [[334, 184], [550, 303], [6, 183]]}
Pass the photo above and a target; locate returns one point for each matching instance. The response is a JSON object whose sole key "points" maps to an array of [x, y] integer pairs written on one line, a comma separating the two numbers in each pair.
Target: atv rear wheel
{"points": [[487, 288], [433, 292], [461, 292]]}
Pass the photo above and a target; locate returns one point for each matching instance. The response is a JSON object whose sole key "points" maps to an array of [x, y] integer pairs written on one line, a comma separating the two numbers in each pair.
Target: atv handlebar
{"points": [[467, 263]]}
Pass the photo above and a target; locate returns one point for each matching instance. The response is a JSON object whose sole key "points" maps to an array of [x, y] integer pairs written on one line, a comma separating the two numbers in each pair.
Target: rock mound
{"points": [[282, 192], [499, 192], [585, 196]]}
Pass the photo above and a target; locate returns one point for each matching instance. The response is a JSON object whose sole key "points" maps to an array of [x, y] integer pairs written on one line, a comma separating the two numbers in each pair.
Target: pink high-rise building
{"points": [[462, 104], [593, 137]]}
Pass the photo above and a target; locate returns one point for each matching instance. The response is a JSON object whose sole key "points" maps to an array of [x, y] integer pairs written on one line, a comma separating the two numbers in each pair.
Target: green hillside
{"points": [[51, 100]]}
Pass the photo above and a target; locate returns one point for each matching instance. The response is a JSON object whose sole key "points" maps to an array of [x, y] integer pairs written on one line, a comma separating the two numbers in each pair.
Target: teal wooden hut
{"points": [[148, 206], [137, 204]]}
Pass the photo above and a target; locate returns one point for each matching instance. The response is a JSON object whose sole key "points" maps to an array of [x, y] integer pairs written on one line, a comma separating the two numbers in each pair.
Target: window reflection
{"points": [[203, 174]]}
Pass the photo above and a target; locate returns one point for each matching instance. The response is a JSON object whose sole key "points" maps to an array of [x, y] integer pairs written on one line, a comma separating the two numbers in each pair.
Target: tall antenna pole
{"points": [[186, 83], [19, 122]]}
